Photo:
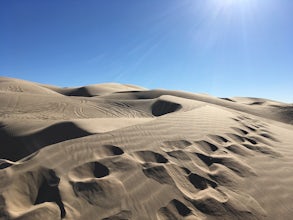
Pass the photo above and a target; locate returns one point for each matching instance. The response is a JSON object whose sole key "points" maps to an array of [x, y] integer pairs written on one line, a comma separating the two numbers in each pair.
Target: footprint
{"points": [[250, 140], [174, 210], [240, 131], [217, 138], [106, 192], [236, 137], [206, 159], [250, 128], [158, 173], [89, 170], [238, 149], [262, 149], [207, 146], [268, 136], [226, 204], [175, 145], [179, 155], [150, 156], [114, 149], [99, 170], [261, 140], [186, 170], [200, 182], [211, 206], [235, 165]]}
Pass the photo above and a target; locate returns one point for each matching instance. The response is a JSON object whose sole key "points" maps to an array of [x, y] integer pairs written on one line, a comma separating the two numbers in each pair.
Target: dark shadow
{"points": [[49, 192], [100, 170], [162, 107]]}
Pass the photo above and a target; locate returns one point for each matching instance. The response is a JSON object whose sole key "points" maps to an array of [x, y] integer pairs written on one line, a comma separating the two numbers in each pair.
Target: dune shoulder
{"points": [[116, 151]]}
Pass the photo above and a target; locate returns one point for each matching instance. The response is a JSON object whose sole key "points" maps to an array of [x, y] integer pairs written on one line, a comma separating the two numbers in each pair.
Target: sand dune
{"points": [[114, 151]]}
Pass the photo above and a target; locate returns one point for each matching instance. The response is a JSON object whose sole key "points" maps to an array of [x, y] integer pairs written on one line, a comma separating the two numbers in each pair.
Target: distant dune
{"points": [[113, 151]]}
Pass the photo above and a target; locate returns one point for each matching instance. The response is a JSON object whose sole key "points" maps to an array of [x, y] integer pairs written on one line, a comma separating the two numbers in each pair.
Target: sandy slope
{"points": [[114, 151]]}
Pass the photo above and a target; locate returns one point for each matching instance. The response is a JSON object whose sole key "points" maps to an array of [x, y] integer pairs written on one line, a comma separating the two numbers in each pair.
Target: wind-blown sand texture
{"points": [[114, 151]]}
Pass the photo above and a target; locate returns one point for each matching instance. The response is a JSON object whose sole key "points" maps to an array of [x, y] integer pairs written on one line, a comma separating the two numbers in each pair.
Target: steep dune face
{"points": [[95, 90], [122, 152], [18, 147]]}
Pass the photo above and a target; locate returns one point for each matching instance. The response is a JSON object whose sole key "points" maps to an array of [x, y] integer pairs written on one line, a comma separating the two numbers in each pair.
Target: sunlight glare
{"points": [[234, 3]]}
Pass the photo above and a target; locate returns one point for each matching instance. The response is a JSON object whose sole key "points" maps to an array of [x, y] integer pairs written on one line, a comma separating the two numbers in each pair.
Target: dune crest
{"points": [[113, 151]]}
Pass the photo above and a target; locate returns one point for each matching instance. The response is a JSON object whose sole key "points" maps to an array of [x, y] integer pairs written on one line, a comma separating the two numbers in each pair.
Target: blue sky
{"points": [[224, 48]]}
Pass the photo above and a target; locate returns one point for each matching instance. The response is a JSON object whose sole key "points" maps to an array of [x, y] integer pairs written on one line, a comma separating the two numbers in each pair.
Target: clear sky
{"points": [[224, 48]]}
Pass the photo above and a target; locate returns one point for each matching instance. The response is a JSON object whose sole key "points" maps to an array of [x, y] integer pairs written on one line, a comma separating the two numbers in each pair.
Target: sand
{"points": [[112, 151]]}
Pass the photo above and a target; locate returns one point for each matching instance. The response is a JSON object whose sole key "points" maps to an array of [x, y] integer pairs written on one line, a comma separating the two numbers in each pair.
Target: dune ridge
{"points": [[115, 151]]}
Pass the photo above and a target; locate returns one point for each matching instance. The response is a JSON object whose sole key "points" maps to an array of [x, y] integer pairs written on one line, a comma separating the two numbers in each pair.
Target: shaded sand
{"points": [[114, 151]]}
